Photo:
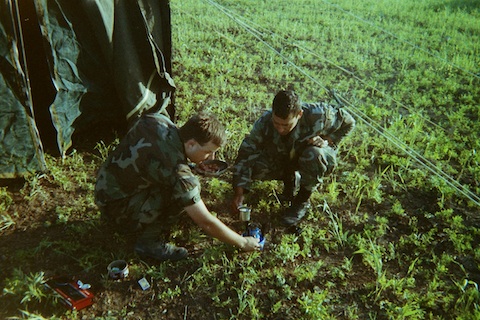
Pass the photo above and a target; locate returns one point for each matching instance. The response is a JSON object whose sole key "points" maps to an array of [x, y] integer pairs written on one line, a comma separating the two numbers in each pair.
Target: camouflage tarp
{"points": [[20, 147], [107, 62]]}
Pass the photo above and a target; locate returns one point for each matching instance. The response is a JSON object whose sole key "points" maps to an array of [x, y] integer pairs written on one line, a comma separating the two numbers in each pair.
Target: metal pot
{"points": [[118, 269], [244, 213]]}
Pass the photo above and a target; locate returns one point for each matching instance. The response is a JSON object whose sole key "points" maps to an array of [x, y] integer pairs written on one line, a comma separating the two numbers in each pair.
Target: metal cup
{"points": [[118, 269], [244, 213]]}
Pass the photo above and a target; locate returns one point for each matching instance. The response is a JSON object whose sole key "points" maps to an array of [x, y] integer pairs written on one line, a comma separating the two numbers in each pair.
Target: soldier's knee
{"points": [[319, 161]]}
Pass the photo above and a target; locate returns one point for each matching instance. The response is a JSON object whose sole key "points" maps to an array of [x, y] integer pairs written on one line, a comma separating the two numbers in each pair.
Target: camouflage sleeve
{"points": [[186, 190], [248, 152], [341, 125], [333, 123]]}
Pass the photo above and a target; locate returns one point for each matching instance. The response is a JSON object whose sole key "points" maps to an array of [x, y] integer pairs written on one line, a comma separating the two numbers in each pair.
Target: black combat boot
{"points": [[298, 209], [152, 243], [160, 251]]}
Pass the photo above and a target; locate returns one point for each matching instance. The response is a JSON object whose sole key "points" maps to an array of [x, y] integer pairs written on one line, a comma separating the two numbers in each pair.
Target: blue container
{"points": [[256, 233]]}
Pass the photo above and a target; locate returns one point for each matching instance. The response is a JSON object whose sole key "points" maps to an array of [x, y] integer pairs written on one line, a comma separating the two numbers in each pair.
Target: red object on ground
{"points": [[70, 293]]}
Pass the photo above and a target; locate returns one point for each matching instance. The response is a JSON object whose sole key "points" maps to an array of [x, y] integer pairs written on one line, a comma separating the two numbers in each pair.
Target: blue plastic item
{"points": [[256, 233]]}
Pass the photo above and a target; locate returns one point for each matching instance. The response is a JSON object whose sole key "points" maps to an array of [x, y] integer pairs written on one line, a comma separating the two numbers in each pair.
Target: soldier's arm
{"points": [[199, 213], [247, 154], [342, 125], [251, 144], [333, 124]]}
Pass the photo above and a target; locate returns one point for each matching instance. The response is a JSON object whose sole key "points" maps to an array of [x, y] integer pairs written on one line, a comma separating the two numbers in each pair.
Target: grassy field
{"points": [[394, 233]]}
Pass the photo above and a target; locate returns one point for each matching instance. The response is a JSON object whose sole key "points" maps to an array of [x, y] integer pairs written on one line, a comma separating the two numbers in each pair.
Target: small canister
{"points": [[118, 269], [256, 233], [244, 213]]}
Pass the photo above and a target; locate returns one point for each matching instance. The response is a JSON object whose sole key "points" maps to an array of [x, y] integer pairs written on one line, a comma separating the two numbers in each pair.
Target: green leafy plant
{"points": [[27, 288], [6, 221]]}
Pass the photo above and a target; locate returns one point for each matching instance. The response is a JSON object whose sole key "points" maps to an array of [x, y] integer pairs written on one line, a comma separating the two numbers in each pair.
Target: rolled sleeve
{"points": [[186, 190]]}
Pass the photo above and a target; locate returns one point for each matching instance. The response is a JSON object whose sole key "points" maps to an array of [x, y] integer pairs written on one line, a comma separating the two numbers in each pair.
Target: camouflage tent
{"points": [[69, 68]]}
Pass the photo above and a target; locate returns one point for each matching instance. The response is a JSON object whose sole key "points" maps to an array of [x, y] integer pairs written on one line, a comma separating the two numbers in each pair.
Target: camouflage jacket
{"points": [[319, 119], [151, 155]]}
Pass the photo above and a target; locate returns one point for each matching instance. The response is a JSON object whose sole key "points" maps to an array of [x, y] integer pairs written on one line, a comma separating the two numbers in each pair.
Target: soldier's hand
{"points": [[237, 200], [318, 142], [251, 244]]}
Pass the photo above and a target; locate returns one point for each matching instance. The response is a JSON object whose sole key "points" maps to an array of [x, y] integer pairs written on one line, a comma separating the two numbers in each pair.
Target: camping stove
{"points": [[251, 229]]}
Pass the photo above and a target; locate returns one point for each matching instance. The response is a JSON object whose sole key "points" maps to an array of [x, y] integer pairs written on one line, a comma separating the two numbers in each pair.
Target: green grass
{"points": [[393, 233]]}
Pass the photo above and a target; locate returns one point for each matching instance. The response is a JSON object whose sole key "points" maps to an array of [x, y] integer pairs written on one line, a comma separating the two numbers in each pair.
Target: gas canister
{"points": [[253, 231]]}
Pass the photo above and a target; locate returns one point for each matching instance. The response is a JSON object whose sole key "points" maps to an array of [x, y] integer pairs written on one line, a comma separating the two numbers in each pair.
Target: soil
{"points": [[37, 240], [36, 243]]}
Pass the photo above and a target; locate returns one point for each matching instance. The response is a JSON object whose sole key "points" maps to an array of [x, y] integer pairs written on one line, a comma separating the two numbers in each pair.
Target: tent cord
{"points": [[350, 73], [362, 116]]}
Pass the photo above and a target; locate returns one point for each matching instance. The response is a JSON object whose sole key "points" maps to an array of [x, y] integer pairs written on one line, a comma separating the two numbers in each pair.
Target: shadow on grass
{"points": [[79, 250], [469, 6]]}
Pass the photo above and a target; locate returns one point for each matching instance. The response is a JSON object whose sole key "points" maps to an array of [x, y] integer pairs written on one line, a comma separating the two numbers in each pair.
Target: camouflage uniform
{"points": [[146, 181], [266, 155]]}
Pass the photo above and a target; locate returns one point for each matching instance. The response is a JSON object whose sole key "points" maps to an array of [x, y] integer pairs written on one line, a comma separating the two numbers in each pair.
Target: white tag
{"points": [[144, 284]]}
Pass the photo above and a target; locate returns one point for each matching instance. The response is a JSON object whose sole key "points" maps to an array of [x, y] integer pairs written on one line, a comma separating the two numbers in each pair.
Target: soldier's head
{"points": [[286, 111], [202, 136]]}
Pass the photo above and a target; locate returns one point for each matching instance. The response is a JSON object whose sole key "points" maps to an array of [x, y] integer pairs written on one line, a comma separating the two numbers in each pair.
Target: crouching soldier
{"points": [[146, 185], [294, 142]]}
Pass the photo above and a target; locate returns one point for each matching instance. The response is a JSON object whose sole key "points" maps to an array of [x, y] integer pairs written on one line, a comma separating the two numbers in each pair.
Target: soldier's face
{"points": [[285, 126], [198, 153]]}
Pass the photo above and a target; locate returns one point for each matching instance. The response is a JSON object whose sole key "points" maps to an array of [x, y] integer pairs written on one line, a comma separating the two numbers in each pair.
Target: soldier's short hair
{"points": [[204, 127], [286, 103]]}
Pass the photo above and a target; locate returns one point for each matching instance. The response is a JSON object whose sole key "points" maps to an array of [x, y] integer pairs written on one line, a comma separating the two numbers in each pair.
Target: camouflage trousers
{"points": [[146, 214], [313, 164]]}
